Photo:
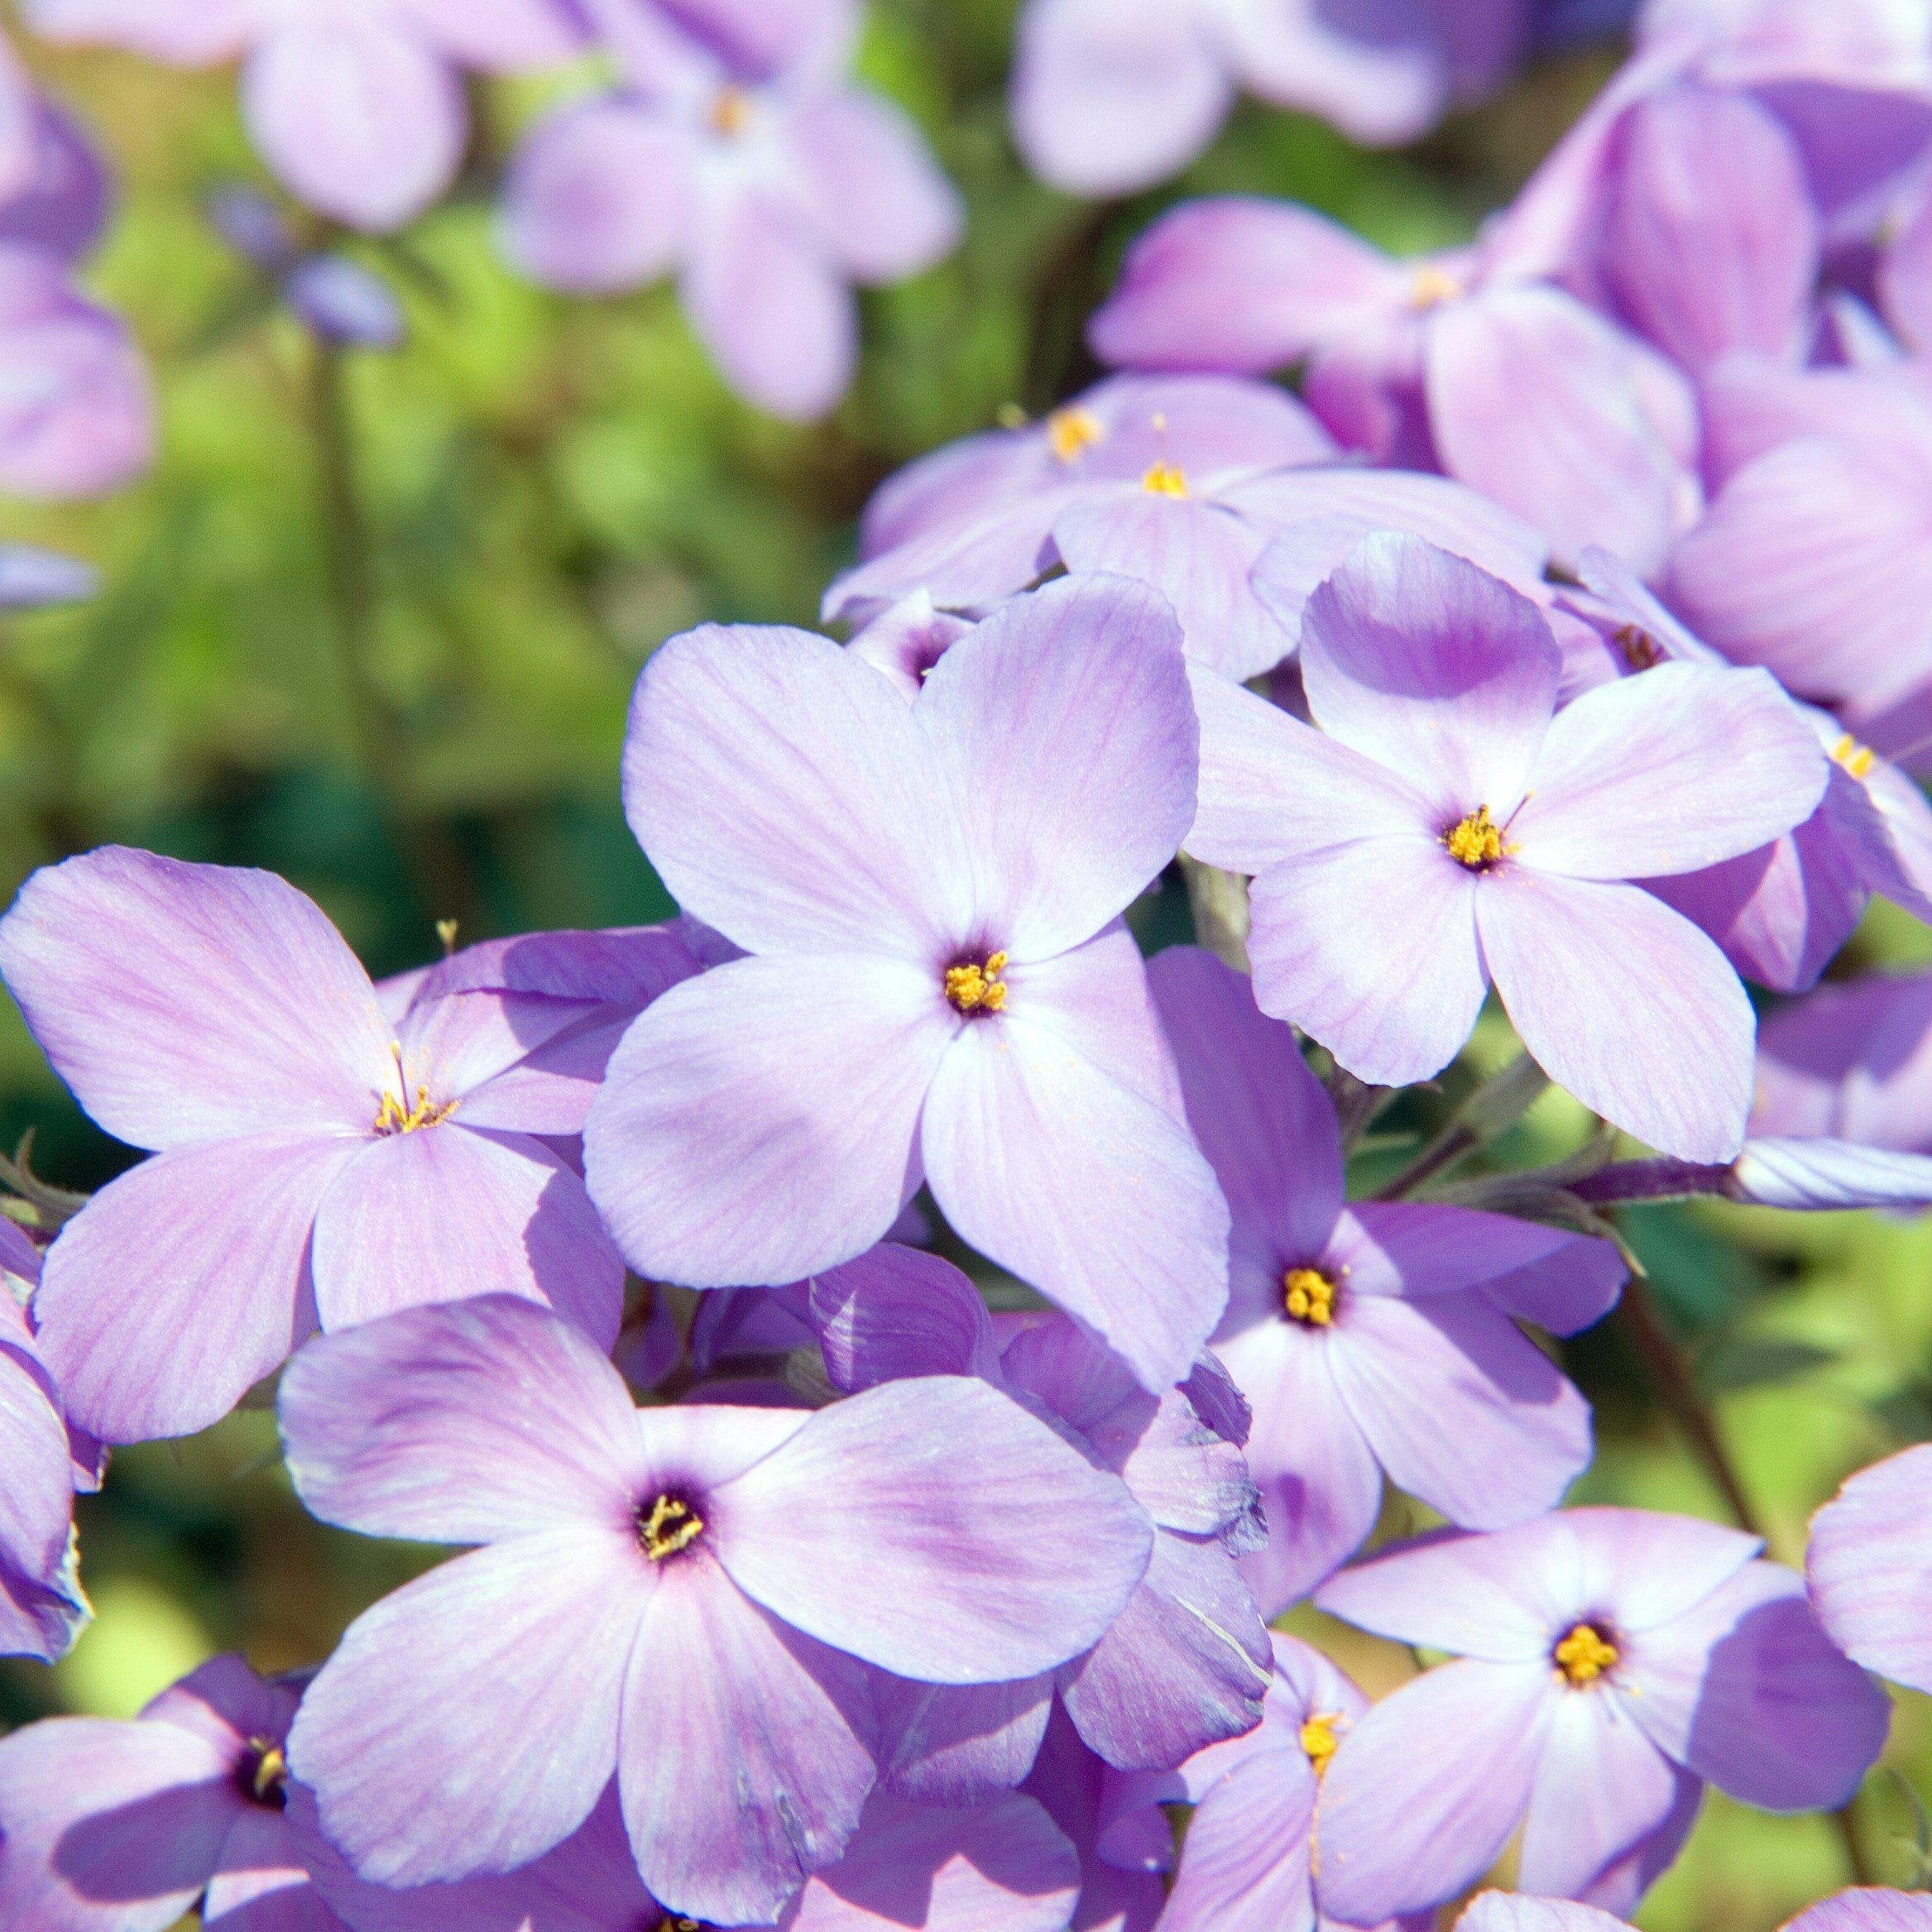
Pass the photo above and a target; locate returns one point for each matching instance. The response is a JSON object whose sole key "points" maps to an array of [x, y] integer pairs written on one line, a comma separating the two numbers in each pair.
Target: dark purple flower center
{"points": [[264, 1775], [1583, 1653], [668, 1527]]}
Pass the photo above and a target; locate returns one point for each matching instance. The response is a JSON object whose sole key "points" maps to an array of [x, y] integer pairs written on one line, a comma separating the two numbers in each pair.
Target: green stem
{"points": [[1493, 1109]]}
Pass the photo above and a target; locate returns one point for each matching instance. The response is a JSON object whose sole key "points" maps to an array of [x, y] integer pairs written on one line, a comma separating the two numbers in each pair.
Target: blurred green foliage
{"points": [[419, 714]]}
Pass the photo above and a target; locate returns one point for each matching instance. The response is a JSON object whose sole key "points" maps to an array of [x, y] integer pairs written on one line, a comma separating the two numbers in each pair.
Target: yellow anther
{"points": [[1477, 841], [271, 1769], [1857, 759], [731, 111], [447, 931], [671, 1527], [1318, 1739], [1584, 1655], [1073, 430], [1432, 287], [1165, 479], [393, 1117], [1308, 1297], [978, 988]]}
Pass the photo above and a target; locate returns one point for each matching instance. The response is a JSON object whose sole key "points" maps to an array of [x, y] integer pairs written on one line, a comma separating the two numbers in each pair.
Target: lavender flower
{"points": [[682, 1596], [768, 190], [1071, 1783], [1869, 1564], [1611, 1662], [32, 579], [1365, 1337], [111, 1827], [939, 983], [359, 111], [315, 1161], [337, 298], [1870, 1908]]}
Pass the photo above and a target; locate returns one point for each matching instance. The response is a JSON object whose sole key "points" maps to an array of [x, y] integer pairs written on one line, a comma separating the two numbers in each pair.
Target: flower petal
{"points": [[420, 1780], [181, 1002], [1245, 1866], [1065, 728], [957, 1744], [1053, 1169], [937, 1529], [783, 791], [1665, 1053], [1427, 1788], [184, 1281], [758, 1122], [1665, 773], [740, 1771], [412, 1217], [1870, 1567], [465, 1422]]}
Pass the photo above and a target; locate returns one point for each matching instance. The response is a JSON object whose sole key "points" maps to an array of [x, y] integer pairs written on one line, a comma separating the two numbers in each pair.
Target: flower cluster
{"points": [[1534, 645]]}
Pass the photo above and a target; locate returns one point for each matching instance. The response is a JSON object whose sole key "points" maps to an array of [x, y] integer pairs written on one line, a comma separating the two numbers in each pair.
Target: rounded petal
{"points": [[182, 1002], [1052, 1168], [1666, 1054], [1107, 100], [1371, 947], [783, 791], [418, 1217], [1074, 806], [757, 1123], [897, 1312], [978, 1547], [598, 198], [740, 1771], [1245, 1866], [1870, 1567], [513, 1422], [41, 1608], [420, 1779], [1428, 1788], [357, 117], [1867, 1909], [163, 30], [881, 203], [184, 1281]]}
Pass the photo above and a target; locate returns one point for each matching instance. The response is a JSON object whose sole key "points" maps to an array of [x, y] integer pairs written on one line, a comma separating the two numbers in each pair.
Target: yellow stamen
{"points": [[1432, 287], [671, 1528], [978, 988], [1070, 432], [271, 1769], [393, 1117], [1477, 841], [1319, 1740], [447, 931], [731, 111], [1165, 479], [1308, 1297], [1857, 759], [1584, 1655]]}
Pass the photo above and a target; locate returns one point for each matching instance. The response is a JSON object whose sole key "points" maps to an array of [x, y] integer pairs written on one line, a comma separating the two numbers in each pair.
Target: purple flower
{"points": [[337, 298], [1071, 1782], [1870, 1566], [1466, 362], [315, 1162], [906, 639], [1870, 1908], [1108, 99], [1613, 1661], [1185, 1663], [767, 193], [1219, 494], [681, 1596], [1001, 1866], [111, 1827], [76, 413], [359, 111], [1248, 1863], [939, 984], [1371, 1337], [33, 579], [54, 194], [1447, 826]]}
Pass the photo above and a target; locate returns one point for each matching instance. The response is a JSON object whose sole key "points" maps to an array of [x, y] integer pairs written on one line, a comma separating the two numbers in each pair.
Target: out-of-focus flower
{"points": [[1464, 363], [1869, 1908], [1185, 1663], [681, 1596], [1447, 826], [939, 984], [54, 192], [33, 579], [1870, 1567], [109, 1825], [315, 1162], [357, 109], [1222, 495], [1248, 1862], [1611, 1662], [1366, 1338], [768, 190], [1108, 100], [339, 298]]}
